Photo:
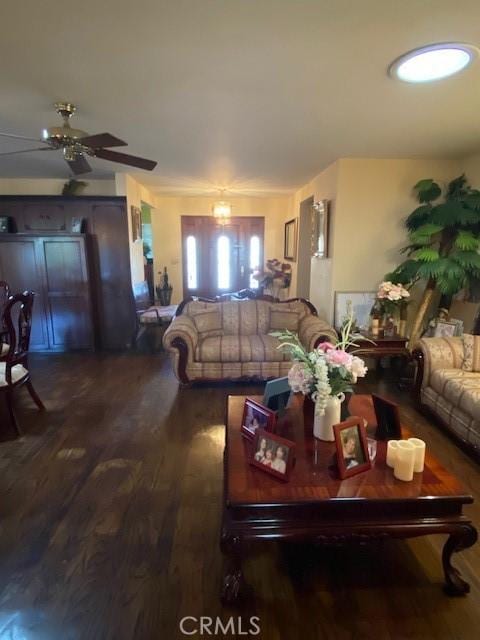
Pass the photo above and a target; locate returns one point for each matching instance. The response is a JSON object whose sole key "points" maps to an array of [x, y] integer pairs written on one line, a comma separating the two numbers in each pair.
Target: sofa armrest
{"points": [[436, 353], [183, 328], [312, 331]]}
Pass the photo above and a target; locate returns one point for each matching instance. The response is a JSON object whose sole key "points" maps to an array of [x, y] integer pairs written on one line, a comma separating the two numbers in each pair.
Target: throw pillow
{"points": [[471, 350], [283, 319], [208, 323]]}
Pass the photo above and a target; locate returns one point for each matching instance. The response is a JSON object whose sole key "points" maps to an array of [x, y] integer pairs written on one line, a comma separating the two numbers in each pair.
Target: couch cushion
{"points": [[256, 348], [461, 388], [208, 323], [471, 349], [283, 319]]}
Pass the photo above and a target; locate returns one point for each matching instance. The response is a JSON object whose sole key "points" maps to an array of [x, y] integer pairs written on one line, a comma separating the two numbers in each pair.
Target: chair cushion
{"points": [[3, 349], [256, 348], [471, 348], [18, 372], [461, 388]]}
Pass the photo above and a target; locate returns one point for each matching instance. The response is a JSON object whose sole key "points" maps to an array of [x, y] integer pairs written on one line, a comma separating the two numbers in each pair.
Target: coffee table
{"points": [[315, 505]]}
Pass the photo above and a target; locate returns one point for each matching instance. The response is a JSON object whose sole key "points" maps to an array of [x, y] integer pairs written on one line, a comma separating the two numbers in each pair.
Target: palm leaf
{"points": [[428, 270], [418, 217], [426, 254], [472, 200], [427, 190], [466, 241], [466, 259], [452, 214], [405, 273]]}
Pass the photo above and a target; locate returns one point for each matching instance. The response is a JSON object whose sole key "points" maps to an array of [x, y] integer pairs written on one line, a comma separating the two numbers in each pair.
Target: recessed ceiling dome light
{"points": [[433, 62]]}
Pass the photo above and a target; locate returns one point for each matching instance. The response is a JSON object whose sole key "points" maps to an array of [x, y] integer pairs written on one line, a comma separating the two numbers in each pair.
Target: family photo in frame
{"points": [[352, 447], [273, 454], [257, 416]]}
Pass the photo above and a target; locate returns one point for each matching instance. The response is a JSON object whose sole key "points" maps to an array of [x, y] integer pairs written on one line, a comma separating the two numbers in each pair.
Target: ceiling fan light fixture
{"points": [[433, 62]]}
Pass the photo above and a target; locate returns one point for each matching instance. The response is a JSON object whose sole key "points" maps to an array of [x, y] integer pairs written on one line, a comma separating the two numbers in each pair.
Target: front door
{"points": [[219, 258]]}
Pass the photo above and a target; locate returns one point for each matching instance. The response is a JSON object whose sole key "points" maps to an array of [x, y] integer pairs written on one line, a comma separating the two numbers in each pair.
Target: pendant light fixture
{"points": [[221, 208]]}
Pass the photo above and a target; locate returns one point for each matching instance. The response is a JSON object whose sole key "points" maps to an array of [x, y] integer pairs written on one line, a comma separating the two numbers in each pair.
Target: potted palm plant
{"points": [[443, 243]]}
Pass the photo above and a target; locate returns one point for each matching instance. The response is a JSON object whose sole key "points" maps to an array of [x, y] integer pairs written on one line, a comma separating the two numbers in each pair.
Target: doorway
{"points": [[304, 248], [219, 257]]}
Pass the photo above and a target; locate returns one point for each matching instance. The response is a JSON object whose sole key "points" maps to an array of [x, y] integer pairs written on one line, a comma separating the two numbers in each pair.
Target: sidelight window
{"points": [[192, 280], [223, 262], [254, 259]]}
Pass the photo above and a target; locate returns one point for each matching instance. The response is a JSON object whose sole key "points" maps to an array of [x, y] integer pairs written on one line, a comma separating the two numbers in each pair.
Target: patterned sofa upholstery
{"points": [[216, 340], [448, 384]]}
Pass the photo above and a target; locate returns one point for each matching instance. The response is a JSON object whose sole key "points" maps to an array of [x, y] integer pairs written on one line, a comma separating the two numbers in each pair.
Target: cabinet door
{"points": [[21, 267], [111, 263], [68, 295]]}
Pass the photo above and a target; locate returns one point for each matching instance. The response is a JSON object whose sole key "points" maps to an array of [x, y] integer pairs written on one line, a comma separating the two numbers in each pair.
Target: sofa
{"points": [[230, 339], [448, 384]]}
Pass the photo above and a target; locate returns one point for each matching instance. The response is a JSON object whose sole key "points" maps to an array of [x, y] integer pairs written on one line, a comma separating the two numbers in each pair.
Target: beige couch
{"points": [[449, 386], [230, 339]]}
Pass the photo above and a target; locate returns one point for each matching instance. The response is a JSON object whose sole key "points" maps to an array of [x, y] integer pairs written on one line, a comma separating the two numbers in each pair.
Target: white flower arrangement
{"points": [[326, 371]]}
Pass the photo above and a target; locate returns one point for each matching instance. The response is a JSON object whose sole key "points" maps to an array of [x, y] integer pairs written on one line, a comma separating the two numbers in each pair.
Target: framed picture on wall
{"points": [[320, 229], [290, 244], [359, 303], [136, 223]]}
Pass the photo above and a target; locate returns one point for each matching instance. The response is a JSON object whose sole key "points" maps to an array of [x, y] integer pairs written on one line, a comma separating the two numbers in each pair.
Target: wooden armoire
{"points": [[74, 253]]}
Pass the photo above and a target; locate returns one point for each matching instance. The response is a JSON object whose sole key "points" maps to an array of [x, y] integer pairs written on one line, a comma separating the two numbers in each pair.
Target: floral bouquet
{"points": [[327, 371], [392, 296], [275, 273]]}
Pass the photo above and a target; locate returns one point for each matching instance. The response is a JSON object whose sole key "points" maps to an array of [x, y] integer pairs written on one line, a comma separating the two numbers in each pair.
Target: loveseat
{"points": [[217, 340], [448, 384]]}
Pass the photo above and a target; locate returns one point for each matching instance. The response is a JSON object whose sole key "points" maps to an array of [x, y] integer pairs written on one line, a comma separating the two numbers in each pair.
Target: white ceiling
{"points": [[255, 95]]}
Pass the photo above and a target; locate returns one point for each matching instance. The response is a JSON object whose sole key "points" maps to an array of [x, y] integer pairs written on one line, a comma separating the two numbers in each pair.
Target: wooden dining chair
{"points": [[14, 371]]}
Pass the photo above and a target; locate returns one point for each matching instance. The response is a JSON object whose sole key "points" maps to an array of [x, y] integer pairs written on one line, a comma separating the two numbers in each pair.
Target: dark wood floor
{"points": [[110, 513]]}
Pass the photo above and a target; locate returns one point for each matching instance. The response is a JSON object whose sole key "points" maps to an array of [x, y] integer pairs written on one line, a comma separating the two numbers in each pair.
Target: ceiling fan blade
{"points": [[16, 137], [79, 165], [100, 140], [12, 153], [125, 158]]}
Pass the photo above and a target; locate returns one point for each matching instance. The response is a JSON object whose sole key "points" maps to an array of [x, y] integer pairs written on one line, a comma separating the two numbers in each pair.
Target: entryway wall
{"points": [[304, 258]]}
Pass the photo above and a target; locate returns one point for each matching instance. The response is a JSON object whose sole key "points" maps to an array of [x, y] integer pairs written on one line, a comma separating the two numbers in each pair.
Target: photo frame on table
{"points": [[352, 447], [257, 416], [320, 229], [277, 394], [290, 240], [359, 303], [273, 454], [4, 224], [445, 329], [388, 419], [136, 214]]}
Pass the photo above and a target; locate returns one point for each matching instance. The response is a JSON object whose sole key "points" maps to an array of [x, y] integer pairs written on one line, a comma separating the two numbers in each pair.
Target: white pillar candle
{"points": [[419, 454], [392, 446], [404, 461]]}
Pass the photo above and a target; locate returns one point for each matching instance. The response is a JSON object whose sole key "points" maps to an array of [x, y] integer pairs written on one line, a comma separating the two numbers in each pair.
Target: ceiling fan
{"points": [[76, 144]]}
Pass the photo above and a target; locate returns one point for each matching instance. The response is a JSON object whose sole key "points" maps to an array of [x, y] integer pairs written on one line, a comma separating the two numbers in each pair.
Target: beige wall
{"points": [[166, 228], [470, 165], [52, 187], [370, 198], [322, 187], [135, 194]]}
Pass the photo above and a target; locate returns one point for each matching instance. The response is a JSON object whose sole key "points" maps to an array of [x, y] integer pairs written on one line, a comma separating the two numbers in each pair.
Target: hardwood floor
{"points": [[110, 514]]}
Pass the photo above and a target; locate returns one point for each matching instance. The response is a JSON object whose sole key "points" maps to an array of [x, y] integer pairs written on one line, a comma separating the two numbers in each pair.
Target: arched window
{"points": [[192, 281], [254, 259], [223, 264]]}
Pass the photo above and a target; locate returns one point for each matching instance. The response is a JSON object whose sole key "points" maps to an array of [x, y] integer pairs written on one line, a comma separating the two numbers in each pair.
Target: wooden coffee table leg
{"points": [[234, 586], [462, 538]]}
